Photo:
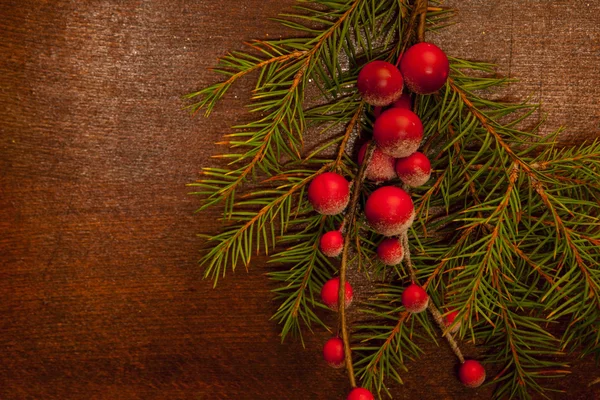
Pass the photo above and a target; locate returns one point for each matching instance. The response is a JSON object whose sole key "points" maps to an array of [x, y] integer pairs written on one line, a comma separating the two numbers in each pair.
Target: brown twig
{"points": [[350, 219], [421, 10]]}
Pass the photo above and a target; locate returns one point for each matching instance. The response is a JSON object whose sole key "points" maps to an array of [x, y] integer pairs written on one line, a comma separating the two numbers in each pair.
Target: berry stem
{"points": [[349, 222], [421, 10], [435, 313]]}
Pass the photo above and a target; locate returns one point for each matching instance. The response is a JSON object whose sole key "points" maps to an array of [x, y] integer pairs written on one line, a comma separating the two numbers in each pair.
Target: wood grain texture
{"points": [[100, 294]]}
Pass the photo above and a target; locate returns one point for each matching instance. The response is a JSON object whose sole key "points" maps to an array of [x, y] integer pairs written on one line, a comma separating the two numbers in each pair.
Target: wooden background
{"points": [[100, 294]]}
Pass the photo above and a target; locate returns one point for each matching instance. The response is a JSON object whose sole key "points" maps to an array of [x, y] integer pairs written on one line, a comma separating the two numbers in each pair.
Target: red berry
{"points": [[415, 299], [425, 68], [405, 101], [381, 167], [390, 251], [449, 320], [390, 211], [380, 83], [333, 352], [471, 373], [329, 293], [398, 132], [450, 317], [377, 112], [360, 394], [331, 243], [329, 193], [414, 170]]}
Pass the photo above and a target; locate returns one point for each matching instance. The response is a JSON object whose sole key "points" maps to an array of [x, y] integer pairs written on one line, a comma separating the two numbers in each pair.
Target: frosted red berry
{"points": [[331, 243], [415, 298], [329, 193], [425, 68], [449, 320], [471, 373], [405, 101], [390, 251], [398, 132], [381, 168], [390, 211], [329, 293], [360, 394], [333, 352], [414, 170], [380, 83]]}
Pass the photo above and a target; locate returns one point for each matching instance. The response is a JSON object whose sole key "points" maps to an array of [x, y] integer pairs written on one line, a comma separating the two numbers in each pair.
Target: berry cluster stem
{"points": [[421, 11], [435, 313], [349, 223]]}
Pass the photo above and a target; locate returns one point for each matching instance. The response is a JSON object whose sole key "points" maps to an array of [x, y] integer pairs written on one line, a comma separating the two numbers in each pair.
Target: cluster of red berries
{"points": [[397, 133]]}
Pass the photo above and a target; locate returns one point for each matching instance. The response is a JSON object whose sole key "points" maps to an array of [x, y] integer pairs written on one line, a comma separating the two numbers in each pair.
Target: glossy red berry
{"points": [[380, 83], [390, 211], [381, 168], [415, 298], [360, 394], [405, 101], [414, 170], [398, 132], [471, 373], [329, 293], [425, 68], [329, 193], [333, 352], [331, 243], [390, 251]]}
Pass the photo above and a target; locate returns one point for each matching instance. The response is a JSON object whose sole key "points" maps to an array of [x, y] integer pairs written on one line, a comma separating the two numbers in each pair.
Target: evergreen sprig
{"points": [[507, 229]]}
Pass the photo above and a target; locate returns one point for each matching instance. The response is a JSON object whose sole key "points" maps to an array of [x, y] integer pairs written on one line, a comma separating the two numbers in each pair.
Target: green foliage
{"points": [[507, 229]]}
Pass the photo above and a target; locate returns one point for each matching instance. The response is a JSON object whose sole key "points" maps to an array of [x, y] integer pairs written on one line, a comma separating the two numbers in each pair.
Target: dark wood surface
{"points": [[100, 294]]}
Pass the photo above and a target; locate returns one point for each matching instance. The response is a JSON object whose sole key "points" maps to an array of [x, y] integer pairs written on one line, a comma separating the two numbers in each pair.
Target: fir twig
{"points": [[507, 231]]}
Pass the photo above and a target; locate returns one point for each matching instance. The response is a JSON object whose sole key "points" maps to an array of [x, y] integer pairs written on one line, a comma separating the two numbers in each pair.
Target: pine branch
{"points": [[308, 270], [237, 243], [507, 231]]}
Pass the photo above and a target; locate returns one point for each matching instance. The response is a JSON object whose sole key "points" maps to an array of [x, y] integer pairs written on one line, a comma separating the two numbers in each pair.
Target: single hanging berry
{"points": [[329, 193], [381, 168], [333, 352], [398, 132], [360, 394], [425, 68], [390, 211], [390, 251], [331, 243], [449, 320], [415, 298], [380, 83], [471, 373], [414, 170], [329, 293]]}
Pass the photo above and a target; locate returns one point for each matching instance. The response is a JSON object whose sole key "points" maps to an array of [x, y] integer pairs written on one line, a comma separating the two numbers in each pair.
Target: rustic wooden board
{"points": [[100, 294]]}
